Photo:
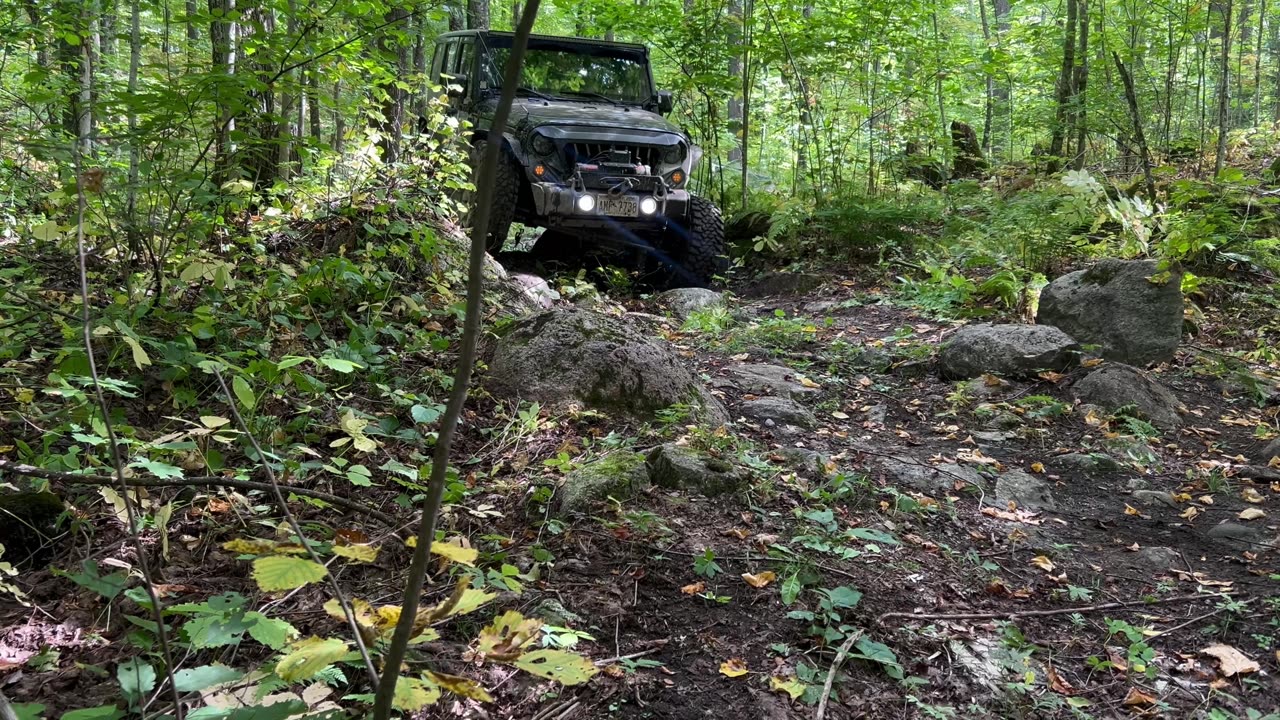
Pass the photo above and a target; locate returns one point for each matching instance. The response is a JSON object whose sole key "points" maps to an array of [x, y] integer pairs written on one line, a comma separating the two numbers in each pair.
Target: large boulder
{"points": [[1006, 350], [1026, 491], [1115, 386], [1120, 306], [620, 475], [682, 302], [570, 354]]}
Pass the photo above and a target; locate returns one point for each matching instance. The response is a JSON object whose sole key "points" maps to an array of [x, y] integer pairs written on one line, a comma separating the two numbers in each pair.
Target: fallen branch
{"points": [[1016, 614], [215, 480], [632, 656], [831, 674]]}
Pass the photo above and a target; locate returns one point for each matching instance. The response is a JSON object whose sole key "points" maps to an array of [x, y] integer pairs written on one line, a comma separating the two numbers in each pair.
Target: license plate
{"points": [[619, 205]]}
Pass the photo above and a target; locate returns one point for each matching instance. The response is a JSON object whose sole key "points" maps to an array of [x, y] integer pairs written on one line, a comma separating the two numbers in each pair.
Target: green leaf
{"points": [[102, 712], [426, 415], [339, 365], [873, 535], [790, 589], [869, 649], [290, 361], [108, 586], [561, 666], [210, 631], [204, 677], [278, 572], [843, 597], [136, 679], [47, 232], [269, 631], [309, 657], [243, 392], [159, 469], [28, 711], [413, 694], [140, 357]]}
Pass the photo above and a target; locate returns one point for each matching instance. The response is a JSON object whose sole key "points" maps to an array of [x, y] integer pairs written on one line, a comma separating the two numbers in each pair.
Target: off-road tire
{"points": [[506, 193], [699, 248]]}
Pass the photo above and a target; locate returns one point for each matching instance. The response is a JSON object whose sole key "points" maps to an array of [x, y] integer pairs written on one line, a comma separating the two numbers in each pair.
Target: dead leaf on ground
{"points": [[733, 667], [740, 533], [1251, 495], [1056, 682], [759, 580], [1231, 662], [1022, 516], [1043, 562], [1137, 697], [694, 588], [1252, 513]]}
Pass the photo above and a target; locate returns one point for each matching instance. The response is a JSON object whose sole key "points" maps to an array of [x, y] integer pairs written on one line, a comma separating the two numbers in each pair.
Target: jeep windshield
{"points": [[573, 71]]}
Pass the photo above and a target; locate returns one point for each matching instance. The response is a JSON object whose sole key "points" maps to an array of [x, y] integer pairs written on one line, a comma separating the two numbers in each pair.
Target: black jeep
{"points": [[587, 153]]}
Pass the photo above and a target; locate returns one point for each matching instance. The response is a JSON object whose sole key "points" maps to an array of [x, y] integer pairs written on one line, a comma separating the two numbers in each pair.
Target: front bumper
{"points": [[559, 205]]}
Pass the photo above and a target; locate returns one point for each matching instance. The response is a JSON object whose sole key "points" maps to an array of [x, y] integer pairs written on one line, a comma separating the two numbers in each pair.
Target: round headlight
{"points": [[543, 145], [673, 154], [586, 203]]}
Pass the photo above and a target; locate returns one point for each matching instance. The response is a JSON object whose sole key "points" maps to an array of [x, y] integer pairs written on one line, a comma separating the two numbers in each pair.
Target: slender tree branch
{"points": [[214, 480], [297, 530], [831, 674], [1015, 614], [395, 653]]}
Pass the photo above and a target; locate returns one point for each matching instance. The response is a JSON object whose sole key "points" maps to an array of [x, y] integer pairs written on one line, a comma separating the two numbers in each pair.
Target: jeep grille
{"points": [[582, 152]]}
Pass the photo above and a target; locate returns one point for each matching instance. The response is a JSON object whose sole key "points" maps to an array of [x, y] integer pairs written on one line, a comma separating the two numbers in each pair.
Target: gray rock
{"points": [[1136, 484], [1088, 462], [553, 612], [820, 307], [571, 355], [994, 437], [1157, 559], [1268, 451], [1155, 497], [783, 411], [620, 475], [919, 475], [1026, 490], [680, 302], [681, 468], [1240, 537], [1115, 306], [1006, 350], [806, 461], [536, 289], [1114, 386], [776, 380]]}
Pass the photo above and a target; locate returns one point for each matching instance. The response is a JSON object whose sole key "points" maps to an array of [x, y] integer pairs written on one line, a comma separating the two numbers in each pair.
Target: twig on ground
{"points": [[616, 658], [831, 674], [1194, 620], [215, 480], [6, 710], [1015, 614], [340, 596]]}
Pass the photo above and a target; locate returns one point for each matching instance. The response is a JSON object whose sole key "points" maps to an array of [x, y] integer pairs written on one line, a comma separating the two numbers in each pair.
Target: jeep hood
{"points": [[530, 113]]}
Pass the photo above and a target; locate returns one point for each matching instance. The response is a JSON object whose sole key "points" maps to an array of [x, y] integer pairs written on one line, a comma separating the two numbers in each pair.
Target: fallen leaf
{"points": [[1204, 499], [1137, 697], [1251, 495], [1022, 516], [759, 580], [1130, 510], [733, 667], [1231, 661], [1252, 513], [1091, 362], [789, 685], [694, 588], [740, 533], [1037, 467], [1043, 562], [1058, 685], [839, 415], [807, 383], [1190, 513]]}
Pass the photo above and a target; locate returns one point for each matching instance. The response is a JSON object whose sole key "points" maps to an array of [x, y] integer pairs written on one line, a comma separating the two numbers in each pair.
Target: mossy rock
{"points": [[677, 467], [620, 475]]}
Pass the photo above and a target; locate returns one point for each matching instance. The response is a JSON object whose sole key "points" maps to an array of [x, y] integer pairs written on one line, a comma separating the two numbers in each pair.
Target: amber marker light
{"points": [[539, 170], [677, 177]]}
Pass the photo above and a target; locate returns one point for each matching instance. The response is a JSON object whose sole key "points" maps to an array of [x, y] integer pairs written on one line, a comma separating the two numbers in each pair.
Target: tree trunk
{"points": [[1224, 89], [392, 124], [989, 100], [1065, 89], [1081, 79], [1135, 116], [420, 40], [313, 103], [89, 60], [1257, 65], [735, 75], [457, 17], [477, 14], [339, 120], [193, 30], [515, 14], [747, 29], [222, 39], [942, 108], [133, 230]]}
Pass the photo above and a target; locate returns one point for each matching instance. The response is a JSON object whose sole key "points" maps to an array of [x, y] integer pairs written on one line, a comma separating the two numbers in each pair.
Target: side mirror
{"points": [[666, 103], [457, 85]]}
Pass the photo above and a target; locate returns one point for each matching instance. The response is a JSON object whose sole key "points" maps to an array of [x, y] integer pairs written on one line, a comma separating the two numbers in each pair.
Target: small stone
{"points": [[682, 302], [620, 475], [776, 380], [780, 411], [1242, 537], [536, 290], [1088, 462], [1136, 484], [1114, 386], [1006, 350], [678, 467], [1155, 497], [1158, 559], [995, 437], [1026, 490], [806, 460], [1269, 452], [920, 475]]}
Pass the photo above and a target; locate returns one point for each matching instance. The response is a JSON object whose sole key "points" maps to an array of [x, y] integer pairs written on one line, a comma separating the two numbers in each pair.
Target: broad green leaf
{"points": [[140, 357], [869, 649], [561, 666], [456, 553], [210, 631], [213, 421], [873, 535], [413, 694], [471, 601], [425, 414], [290, 361], [159, 469], [136, 679], [790, 589], [243, 392], [102, 712], [309, 657], [204, 677], [278, 572], [269, 631], [108, 586], [843, 597], [338, 364], [28, 711], [47, 231]]}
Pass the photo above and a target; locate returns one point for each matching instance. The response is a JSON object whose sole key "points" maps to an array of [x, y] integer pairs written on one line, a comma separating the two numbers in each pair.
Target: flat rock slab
{"points": [[779, 411], [677, 467], [1006, 350], [1026, 490], [775, 380], [916, 474], [574, 355], [1115, 386], [1131, 309]]}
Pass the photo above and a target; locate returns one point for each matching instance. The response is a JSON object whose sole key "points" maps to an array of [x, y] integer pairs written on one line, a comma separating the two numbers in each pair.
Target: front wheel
{"points": [[698, 246], [506, 192]]}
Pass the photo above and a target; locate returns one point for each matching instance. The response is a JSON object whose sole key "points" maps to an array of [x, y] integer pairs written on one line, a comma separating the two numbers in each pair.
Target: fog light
{"points": [[587, 203], [648, 206]]}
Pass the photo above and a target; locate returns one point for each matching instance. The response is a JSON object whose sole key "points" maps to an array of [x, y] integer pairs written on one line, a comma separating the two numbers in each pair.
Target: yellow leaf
{"points": [[259, 546], [1043, 562], [759, 580], [733, 667], [839, 415], [359, 552], [1189, 513], [1037, 467], [1130, 510], [1251, 495], [140, 357], [1252, 513], [788, 685], [564, 667], [1091, 362], [471, 601], [807, 382], [213, 421], [277, 572], [456, 553], [457, 685], [413, 694], [507, 635], [308, 657]]}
